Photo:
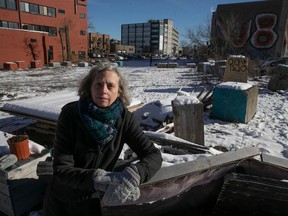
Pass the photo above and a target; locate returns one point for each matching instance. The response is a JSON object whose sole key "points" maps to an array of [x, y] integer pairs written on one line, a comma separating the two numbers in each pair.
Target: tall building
{"points": [[153, 37], [44, 31]]}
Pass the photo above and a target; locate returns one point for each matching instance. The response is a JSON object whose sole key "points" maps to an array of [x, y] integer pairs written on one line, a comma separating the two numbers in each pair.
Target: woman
{"points": [[90, 136]]}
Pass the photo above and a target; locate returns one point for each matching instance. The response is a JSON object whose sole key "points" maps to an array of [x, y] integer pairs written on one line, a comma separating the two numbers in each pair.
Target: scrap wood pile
{"points": [[158, 116]]}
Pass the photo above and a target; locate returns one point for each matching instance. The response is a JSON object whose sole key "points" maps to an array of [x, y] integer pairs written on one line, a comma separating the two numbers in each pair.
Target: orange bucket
{"points": [[19, 145]]}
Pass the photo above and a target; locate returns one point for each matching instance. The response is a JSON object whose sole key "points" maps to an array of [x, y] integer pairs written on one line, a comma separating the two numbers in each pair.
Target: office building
{"points": [[157, 37]]}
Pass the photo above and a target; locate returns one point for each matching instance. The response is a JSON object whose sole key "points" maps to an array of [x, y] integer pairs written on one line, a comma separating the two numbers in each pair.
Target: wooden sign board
{"points": [[236, 69]]}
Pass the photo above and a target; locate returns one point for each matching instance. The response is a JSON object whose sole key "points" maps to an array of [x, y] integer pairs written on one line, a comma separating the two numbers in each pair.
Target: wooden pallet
{"points": [[251, 195]]}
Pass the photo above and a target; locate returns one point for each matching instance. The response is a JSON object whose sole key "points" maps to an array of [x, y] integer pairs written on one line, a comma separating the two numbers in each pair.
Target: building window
{"points": [[13, 25], [34, 9], [61, 11], [82, 32], [43, 10], [8, 4], [37, 9], [51, 30], [51, 12], [82, 15], [24, 6], [7, 24]]}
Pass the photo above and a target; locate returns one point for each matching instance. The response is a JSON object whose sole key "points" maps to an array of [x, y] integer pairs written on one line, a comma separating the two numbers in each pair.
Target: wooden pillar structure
{"points": [[188, 119]]}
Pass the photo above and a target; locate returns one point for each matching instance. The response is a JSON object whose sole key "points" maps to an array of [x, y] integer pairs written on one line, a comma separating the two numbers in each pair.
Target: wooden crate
{"points": [[234, 105], [236, 69], [20, 188], [189, 122]]}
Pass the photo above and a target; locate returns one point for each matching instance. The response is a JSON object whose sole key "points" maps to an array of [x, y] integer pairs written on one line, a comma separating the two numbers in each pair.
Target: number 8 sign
{"points": [[264, 36]]}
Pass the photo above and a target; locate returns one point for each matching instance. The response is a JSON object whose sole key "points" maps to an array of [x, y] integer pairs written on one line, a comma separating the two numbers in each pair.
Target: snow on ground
{"points": [[268, 129]]}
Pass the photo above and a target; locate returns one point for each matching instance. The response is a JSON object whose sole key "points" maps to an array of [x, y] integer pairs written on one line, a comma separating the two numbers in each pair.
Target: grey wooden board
{"points": [[204, 163], [282, 162]]}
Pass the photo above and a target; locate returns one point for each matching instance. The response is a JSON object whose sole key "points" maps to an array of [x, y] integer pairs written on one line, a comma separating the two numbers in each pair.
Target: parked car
{"points": [[115, 57], [268, 66], [94, 55]]}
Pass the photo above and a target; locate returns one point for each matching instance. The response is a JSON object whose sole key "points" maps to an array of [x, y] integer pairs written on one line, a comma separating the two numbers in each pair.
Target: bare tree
{"points": [[64, 31], [32, 47], [219, 37], [229, 34], [199, 40]]}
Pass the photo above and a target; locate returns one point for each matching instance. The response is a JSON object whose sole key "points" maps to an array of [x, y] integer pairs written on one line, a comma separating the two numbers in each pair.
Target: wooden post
{"points": [[236, 69], [188, 120]]}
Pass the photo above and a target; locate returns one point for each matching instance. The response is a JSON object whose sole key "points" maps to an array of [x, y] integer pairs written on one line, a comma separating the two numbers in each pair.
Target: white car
{"points": [[115, 57]]}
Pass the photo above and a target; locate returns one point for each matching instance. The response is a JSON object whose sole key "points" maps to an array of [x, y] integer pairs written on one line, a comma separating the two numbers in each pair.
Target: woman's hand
{"points": [[118, 187]]}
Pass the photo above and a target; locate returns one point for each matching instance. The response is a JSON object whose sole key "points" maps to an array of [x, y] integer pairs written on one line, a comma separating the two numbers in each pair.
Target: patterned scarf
{"points": [[100, 122]]}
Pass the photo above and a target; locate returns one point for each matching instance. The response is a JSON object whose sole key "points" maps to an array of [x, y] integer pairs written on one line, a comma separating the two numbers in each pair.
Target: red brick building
{"points": [[99, 43], [42, 31]]}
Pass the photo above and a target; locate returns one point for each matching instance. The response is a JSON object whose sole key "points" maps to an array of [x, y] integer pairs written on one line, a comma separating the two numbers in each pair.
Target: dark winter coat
{"points": [[70, 191]]}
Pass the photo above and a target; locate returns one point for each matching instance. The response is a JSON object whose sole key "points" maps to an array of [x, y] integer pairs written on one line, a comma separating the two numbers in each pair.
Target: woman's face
{"points": [[105, 88]]}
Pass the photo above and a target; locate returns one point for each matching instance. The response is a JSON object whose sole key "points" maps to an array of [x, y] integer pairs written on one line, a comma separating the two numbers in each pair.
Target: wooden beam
{"points": [[282, 162], [204, 163]]}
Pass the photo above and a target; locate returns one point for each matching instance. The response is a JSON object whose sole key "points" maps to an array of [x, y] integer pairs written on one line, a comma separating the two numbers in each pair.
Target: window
{"points": [[7, 24], [52, 31], [2, 4], [82, 32], [33, 8], [43, 10], [9, 4], [51, 12], [13, 25], [37, 9], [4, 24], [24, 6], [60, 11], [82, 15]]}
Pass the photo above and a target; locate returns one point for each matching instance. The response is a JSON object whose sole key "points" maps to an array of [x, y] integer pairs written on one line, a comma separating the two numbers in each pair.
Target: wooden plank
{"points": [[244, 194], [26, 169], [135, 107], [168, 139], [204, 163], [282, 162], [42, 120], [189, 122]]}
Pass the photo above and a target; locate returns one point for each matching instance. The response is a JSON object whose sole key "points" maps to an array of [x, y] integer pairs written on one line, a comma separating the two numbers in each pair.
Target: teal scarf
{"points": [[100, 122]]}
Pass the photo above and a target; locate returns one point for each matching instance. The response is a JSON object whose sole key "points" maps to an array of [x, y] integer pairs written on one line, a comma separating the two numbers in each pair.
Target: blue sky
{"points": [[108, 15]]}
